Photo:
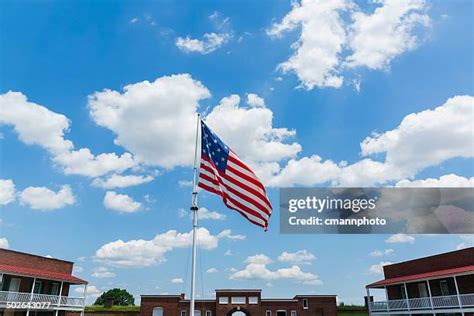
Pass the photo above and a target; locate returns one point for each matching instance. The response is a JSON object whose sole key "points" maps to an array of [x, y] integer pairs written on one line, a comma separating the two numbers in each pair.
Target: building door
{"points": [[14, 287]]}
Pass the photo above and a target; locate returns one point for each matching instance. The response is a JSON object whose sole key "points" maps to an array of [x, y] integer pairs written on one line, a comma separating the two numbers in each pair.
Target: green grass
{"points": [[352, 314], [115, 308]]}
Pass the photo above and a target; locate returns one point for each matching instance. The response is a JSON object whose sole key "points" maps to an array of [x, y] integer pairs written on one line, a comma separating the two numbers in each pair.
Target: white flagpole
{"points": [[194, 209]]}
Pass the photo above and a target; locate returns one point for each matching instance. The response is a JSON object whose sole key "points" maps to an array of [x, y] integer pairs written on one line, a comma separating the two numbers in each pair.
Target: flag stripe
{"points": [[239, 184], [211, 188], [236, 200]]}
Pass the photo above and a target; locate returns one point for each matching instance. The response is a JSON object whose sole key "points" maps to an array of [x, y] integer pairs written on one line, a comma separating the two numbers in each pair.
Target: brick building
{"points": [[37, 286], [239, 303], [435, 285]]}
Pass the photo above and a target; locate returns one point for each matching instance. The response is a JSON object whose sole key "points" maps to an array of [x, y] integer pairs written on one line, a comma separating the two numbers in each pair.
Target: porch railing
{"points": [[435, 302], [56, 301]]}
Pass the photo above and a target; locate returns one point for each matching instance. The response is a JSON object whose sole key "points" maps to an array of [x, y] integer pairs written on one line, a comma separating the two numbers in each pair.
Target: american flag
{"points": [[223, 173]]}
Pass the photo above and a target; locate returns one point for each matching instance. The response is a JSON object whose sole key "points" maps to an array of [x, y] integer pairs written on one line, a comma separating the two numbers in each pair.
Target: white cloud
{"points": [[446, 181], [212, 270], [249, 131], [177, 281], [321, 41], [156, 121], [185, 183], [102, 272], [92, 292], [204, 214], [120, 181], [254, 100], [444, 133], [378, 268], [257, 269], [37, 125], [121, 202], [227, 233], [400, 238], [377, 38], [328, 44], [77, 269], [42, 198], [381, 253], [134, 20], [143, 253], [209, 43], [300, 256], [7, 191], [4, 243]]}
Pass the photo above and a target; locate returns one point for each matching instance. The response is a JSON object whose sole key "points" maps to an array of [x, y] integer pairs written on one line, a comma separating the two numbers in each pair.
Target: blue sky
{"points": [[354, 75]]}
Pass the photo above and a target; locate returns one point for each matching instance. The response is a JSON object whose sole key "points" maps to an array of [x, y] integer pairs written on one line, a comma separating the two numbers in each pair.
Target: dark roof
{"points": [[42, 274], [422, 276]]}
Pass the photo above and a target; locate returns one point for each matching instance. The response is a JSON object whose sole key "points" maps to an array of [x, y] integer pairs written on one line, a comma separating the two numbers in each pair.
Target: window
{"points": [[208, 313], [157, 311], [253, 300], [293, 313], [183, 313], [305, 303], [238, 300], [1, 281], [55, 289], [268, 313], [443, 284], [281, 313], [223, 300], [197, 312], [37, 288]]}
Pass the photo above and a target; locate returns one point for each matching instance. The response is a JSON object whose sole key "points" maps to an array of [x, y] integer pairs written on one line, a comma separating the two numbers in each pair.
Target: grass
{"points": [[351, 314], [115, 308]]}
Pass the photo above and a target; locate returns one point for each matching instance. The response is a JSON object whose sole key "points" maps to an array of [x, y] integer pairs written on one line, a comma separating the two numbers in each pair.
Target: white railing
{"points": [[54, 300], [419, 303], [445, 301], [435, 302], [467, 300]]}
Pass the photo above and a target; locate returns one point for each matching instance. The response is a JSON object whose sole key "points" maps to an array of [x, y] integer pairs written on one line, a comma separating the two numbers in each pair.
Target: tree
{"points": [[120, 296]]}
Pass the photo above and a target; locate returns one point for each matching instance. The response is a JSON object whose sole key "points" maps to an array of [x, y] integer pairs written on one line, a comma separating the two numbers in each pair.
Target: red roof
{"points": [[422, 276], [42, 274]]}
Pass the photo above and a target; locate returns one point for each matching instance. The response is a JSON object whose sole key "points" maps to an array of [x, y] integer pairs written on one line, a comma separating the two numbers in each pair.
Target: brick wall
{"points": [[20, 259]]}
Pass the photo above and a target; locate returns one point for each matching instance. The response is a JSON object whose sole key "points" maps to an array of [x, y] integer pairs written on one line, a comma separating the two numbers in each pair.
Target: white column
{"points": [[406, 295], [31, 296], [429, 292], [59, 298], [84, 300], [368, 301], [386, 298], [457, 291]]}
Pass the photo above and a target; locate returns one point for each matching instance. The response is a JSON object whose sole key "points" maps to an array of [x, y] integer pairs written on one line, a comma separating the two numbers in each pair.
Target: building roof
{"points": [[42, 274], [422, 276]]}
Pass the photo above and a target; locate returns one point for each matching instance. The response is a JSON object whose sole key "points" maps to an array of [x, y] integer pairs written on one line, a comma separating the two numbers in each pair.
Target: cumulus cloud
{"points": [[375, 39], [316, 57], [256, 269], [4, 243], [143, 253], [103, 272], [300, 256], [227, 233], [177, 281], [446, 181], [378, 268], [381, 253], [209, 43], [328, 44], [153, 120], [444, 132], [203, 214], [121, 202], [42, 198], [7, 191], [400, 238], [37, 125], [121, 181], [254, 100], [212, 270]]}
